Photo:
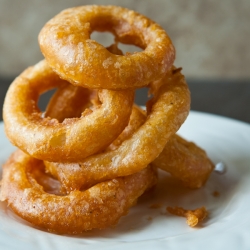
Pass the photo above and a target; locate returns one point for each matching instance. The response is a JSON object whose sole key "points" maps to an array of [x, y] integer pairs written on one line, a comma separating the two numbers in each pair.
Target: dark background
{"points": [[230, 98]]}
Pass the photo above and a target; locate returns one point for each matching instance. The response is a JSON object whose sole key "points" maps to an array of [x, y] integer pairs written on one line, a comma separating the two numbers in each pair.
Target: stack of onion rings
{"points": [[99, 148]]}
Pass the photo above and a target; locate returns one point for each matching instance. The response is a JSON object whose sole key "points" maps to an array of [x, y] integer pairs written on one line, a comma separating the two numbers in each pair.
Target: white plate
{"points": [[227, 227]]}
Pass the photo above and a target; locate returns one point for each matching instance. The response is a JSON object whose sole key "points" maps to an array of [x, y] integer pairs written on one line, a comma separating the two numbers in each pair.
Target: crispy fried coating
{"points": [[72, 140], [99, 207], [193, 216], [185, 161], [66, 45]]}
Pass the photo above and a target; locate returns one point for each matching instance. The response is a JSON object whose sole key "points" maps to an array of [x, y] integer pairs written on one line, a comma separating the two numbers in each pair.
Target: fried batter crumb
{"points": [[193, 216]]}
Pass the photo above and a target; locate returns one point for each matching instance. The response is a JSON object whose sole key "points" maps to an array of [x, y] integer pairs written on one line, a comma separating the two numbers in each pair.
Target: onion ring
{"points": [[185, 161], [167, 111], [46, 138], [65, 42], [100, 206]]}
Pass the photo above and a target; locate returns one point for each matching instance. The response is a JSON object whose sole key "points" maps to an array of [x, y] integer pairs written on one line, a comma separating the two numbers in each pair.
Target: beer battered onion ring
{"points": [[65, 43], [185, 161], [99, 207], [46, 138], [167, 111]]}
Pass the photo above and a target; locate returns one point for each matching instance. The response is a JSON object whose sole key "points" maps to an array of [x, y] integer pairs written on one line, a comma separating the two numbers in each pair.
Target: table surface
{"points": [[230, 98]]}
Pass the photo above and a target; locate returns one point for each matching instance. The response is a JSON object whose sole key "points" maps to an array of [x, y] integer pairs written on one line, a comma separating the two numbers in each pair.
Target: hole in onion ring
{"points": [[82, 102], [106, 39], [46, 180], [44, 99], [129, 48]]}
